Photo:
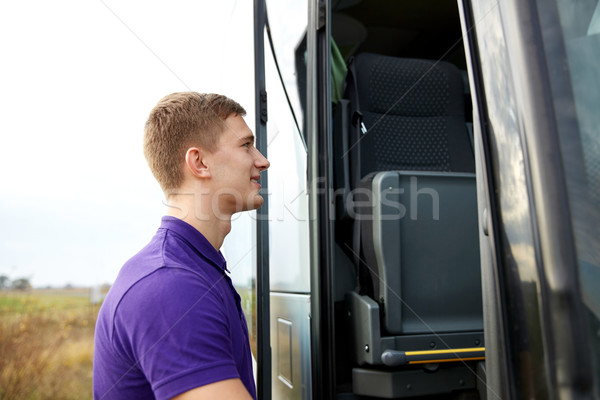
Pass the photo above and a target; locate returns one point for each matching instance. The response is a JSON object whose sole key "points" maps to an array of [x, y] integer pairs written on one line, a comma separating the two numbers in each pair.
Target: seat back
{"points": [[413, 111]]}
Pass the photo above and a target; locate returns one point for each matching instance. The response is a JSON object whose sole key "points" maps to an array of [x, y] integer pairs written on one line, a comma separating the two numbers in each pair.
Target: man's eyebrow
{"points": [[249, 138]]}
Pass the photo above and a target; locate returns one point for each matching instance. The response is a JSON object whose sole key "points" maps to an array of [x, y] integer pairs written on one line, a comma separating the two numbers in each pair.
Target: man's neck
{"points": [[214, 228]]}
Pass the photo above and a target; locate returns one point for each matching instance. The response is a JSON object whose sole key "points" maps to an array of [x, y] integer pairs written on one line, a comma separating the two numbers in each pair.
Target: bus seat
{"points": [[419, 241], [413, 113], [411, 171]]}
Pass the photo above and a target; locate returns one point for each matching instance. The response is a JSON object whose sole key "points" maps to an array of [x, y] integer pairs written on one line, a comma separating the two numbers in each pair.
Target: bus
{"points": [[432, 210]]}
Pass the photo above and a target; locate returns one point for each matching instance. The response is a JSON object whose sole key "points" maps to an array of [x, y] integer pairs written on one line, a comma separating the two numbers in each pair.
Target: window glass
{"points": [[288, 200], [289, 44], [580, 141]]}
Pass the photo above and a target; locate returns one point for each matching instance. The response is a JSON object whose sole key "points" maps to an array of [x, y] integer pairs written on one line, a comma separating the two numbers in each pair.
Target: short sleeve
{"points": [[175, 326]]}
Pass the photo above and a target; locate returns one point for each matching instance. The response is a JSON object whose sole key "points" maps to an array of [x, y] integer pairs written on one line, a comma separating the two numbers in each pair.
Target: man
{"points": [[172, 325]]}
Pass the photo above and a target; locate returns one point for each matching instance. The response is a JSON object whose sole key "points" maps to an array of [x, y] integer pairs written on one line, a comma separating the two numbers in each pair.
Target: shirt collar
{"points": [[195, 239]]}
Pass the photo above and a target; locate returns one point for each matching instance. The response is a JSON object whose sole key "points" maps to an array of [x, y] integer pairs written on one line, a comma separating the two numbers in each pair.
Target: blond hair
{"points": [[178, 122]]}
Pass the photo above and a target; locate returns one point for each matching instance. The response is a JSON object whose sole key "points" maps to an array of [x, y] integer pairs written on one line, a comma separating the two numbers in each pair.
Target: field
{"points": [[46, 344]]}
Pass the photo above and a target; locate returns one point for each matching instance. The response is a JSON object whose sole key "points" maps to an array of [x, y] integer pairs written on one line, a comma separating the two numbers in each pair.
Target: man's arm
{"points": [[229, 389]]}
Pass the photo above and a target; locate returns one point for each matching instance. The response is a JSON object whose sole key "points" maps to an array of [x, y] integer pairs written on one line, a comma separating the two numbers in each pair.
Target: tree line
{"points": [[16, 284]]}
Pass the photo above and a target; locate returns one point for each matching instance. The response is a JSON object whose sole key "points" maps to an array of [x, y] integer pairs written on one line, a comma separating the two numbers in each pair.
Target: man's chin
{"points": [[251, 204], [256, 202]]}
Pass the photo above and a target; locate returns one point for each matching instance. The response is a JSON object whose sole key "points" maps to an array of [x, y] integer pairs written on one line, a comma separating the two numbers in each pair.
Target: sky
{"points": [[77, 82]]}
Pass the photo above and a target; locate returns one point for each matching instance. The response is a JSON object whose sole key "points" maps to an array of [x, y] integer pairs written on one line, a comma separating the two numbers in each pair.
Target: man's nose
{"points": [[261, 162]]}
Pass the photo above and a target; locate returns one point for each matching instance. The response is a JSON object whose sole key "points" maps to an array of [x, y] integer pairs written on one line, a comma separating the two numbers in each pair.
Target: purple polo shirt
{"points": [[171, 322]]}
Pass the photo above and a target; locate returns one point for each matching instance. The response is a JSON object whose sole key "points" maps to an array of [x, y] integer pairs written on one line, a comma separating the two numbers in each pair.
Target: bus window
{"points": [[288, 42], [288, 209], [288, 244], [580, 141]]}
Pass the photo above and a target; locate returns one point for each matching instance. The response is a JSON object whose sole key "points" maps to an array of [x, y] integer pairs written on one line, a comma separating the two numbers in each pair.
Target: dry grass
{"points": [[46, 345]]}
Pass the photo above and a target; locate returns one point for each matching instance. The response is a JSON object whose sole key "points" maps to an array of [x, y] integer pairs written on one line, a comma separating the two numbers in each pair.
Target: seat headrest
{"points": [[408, 87]]}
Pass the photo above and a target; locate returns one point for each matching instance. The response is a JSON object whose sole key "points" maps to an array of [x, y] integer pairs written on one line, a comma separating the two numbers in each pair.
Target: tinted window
{"points": [[578, 122]]}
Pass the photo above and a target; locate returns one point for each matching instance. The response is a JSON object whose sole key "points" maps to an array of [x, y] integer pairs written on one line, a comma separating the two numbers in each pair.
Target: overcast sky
{"points": [[77, 81]]}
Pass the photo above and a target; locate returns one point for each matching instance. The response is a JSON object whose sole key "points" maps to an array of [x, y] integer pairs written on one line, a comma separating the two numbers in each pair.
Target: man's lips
{"points": [[255, 180]]}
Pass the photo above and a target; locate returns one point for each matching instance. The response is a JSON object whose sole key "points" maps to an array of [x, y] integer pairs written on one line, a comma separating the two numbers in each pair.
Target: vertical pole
{"points": [[262, 220], [319, 173]]}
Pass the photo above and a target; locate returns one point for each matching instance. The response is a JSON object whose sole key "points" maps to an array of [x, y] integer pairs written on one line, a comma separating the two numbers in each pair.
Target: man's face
{"points": [[235, 169]]}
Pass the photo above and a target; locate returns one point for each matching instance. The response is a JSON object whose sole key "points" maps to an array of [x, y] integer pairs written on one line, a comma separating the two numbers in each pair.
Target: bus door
{"points": [[534, 77], [289, 290]]}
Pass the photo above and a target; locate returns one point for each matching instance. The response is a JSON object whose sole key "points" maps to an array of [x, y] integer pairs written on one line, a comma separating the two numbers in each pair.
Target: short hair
{"points": [[179, 121]]}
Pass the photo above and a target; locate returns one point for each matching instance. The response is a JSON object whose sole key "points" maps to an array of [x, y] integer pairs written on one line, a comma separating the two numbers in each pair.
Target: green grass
{"points": [[46, 342]]}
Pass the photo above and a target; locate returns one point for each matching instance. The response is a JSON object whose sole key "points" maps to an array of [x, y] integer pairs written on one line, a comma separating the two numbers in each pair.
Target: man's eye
{"points": [[247, 145]]}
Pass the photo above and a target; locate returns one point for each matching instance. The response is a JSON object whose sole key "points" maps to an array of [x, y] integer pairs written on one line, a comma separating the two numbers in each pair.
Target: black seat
{"points": [[413, 111], [409, 173]]}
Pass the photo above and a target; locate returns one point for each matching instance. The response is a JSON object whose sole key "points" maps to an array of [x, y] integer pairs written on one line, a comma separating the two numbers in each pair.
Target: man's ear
{"points": [[196, 163]]}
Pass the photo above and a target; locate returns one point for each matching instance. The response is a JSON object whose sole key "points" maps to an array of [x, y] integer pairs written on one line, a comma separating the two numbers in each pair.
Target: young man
{"points": [[172, 325]]}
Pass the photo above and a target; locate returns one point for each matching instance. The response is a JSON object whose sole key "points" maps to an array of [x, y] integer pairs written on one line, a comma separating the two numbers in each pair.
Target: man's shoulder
{"points": [[156, 272], [167, 259], [168, 280], [166, 292]]}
